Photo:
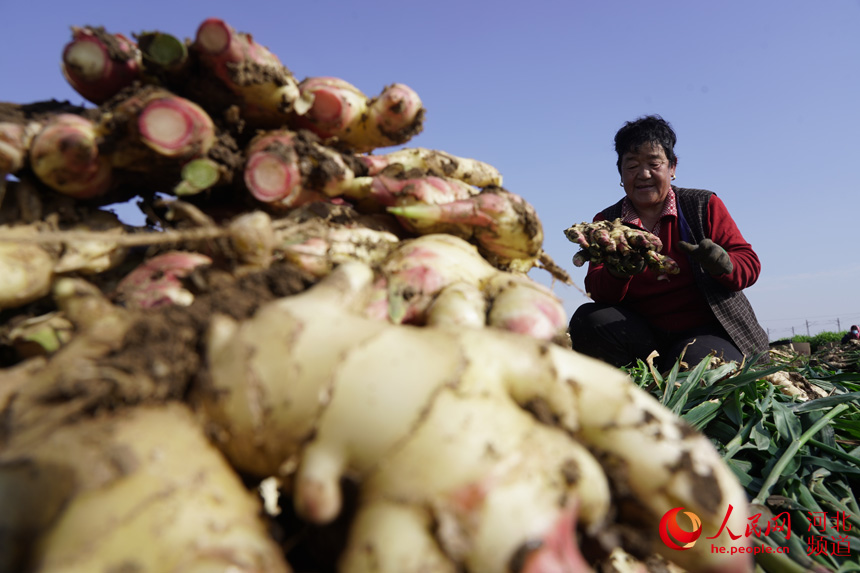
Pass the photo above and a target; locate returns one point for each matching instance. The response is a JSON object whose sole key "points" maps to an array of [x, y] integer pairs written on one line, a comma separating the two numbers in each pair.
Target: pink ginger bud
{"points": [[221, 46], [523, 306], [558, 550], [418, 269], [157, 282]]}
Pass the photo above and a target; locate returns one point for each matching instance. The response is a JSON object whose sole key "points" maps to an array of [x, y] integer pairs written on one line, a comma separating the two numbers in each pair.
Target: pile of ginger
{"points": [[313, 355]]}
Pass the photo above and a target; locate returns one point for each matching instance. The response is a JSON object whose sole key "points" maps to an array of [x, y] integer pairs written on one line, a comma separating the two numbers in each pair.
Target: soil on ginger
{"points": [[166, 343], [158, 359], [39, 111], [161, 359]]}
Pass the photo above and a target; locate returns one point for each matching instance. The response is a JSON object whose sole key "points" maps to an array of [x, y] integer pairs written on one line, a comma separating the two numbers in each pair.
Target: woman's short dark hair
{"points": [[647, 129]]}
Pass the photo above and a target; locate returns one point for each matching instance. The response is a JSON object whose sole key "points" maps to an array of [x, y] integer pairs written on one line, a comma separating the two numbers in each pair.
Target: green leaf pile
{"points": [[796, 459]]}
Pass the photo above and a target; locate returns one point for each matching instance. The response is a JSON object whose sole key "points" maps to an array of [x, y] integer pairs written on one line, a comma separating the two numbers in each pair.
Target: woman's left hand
{"points": [[713, 258]]}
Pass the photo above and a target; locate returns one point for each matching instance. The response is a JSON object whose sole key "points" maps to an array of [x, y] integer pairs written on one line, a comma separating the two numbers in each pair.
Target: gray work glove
{"points": [[713, 258]]}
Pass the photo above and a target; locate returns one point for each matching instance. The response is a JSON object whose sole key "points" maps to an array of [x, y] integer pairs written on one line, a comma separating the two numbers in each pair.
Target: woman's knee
{"points": [[613, 334], [593, 316], [582, 317]]}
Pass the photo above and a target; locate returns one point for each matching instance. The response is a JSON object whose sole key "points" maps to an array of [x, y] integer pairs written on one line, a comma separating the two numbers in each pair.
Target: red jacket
{"points": [[674, 302]]}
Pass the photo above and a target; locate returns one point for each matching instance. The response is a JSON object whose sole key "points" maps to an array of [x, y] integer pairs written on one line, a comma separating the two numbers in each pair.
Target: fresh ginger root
{"points": [[623, 249], [284, 167], [341, 112], [138, 490], [65, 156], [435, 426], [417, 270], [26, 274], [522, 305], [458, 304], [157, 126], [89, 483], [504, 225], [15, 138], [435, 162], [417, 274], [317, 248], [266, 90]]}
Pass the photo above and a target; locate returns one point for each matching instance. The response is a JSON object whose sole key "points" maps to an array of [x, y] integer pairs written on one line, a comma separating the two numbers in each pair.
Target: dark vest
{"points": [[731, 308]]}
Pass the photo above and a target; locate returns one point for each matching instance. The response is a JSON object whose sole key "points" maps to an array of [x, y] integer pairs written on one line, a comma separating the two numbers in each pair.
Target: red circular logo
{"points": [[673, 535]]}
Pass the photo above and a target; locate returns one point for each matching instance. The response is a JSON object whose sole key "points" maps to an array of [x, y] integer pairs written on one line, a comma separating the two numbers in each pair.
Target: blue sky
{"points": [[764, 96]]}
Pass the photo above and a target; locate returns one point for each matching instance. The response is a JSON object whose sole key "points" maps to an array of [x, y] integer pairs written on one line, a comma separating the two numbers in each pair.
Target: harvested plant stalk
{"points": [[340, 110], [435, 162], [175, 127], [198, 175], [98, 64], [267, 90], [65, 156], [163, 54], [272, 170], [503, 224]]}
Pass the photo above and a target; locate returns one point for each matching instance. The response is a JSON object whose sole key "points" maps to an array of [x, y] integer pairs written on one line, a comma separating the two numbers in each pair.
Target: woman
{"points": [[695, 312], [853, 334]]}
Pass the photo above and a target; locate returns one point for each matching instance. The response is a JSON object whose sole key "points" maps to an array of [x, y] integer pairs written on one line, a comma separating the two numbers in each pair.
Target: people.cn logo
{"points": [[673, 535]]}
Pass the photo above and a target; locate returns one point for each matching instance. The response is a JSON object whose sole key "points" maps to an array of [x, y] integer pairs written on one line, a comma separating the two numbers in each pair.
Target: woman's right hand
{"points": [[626, 268]]}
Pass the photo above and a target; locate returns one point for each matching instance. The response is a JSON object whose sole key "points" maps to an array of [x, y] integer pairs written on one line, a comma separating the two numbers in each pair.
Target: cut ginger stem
{"points": [[98, 64], [174, 126]]}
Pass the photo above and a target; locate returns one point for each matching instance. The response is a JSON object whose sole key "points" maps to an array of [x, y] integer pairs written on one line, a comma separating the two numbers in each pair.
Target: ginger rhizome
{"points": [[455, 446], [620, 247]]}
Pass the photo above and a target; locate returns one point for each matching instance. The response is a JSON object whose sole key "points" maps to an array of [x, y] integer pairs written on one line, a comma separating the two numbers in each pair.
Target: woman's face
{"points": [[647, 176]]}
